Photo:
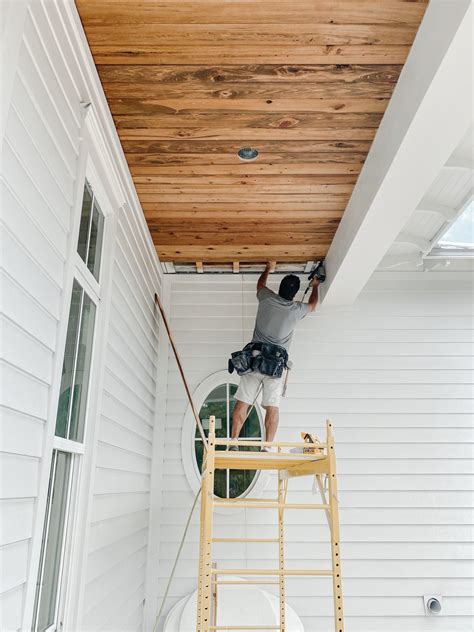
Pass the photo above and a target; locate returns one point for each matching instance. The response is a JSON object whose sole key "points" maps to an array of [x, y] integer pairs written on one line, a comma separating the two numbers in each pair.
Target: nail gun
{"points": [[318, 271]]}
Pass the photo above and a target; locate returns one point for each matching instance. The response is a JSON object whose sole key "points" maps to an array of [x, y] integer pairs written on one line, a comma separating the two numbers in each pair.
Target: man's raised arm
{"points": [[262, 280], [313, 299]]}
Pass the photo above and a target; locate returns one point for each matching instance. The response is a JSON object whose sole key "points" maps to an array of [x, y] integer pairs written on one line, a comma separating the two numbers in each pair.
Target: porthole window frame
{"points": [[200, 394]]}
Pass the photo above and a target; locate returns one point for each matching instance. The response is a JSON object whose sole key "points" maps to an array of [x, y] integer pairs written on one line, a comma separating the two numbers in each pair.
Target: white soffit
{"points": [[426, 121]]}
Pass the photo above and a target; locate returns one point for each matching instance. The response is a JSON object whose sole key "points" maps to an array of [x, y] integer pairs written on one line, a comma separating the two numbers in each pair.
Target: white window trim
{"points": [[71, 574], [188, 436], [74, 573], [112, 204]]}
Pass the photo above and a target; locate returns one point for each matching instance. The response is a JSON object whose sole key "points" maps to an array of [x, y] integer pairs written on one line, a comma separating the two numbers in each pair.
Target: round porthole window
{"points": [[220, 402]]}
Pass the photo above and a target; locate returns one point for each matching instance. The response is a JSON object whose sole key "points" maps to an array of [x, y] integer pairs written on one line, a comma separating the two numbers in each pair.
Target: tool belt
{"points": [[271, 359]]}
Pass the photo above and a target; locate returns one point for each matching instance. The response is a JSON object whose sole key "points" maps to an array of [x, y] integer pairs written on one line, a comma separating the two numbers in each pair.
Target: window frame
{"points": [[78, 271], [191, 469], [47, 525]]}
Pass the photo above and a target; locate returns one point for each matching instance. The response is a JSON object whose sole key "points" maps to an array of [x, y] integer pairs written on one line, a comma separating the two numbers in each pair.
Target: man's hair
{"points": [[289, 287]]}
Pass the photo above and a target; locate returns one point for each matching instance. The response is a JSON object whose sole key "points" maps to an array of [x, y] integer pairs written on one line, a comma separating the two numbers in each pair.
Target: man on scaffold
{"points": [[261, 363]]}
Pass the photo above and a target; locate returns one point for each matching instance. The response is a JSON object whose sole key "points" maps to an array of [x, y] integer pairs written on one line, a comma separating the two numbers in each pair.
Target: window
{"points": [[71, 416], [458, 239], [89, 244], [220, 403], [53, 539], [76, 367], [461, 231]]}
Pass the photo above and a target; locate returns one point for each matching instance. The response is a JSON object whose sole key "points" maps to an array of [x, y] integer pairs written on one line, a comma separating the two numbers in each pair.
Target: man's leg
{"points": [[271, 403], [246, 393], [238, 418], [272, 417]]}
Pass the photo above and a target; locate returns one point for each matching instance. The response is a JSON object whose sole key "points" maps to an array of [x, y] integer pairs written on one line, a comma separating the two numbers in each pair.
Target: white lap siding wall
{"points": [[42, 152], [394, 372]]}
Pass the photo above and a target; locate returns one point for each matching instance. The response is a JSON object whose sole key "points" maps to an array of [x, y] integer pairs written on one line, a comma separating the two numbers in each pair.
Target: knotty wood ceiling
{"points": [[306, 82]]}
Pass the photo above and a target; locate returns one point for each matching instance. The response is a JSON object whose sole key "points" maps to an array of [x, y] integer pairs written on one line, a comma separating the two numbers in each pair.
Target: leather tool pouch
{"points": [[268, 365], [241, 361], [271, 359]]}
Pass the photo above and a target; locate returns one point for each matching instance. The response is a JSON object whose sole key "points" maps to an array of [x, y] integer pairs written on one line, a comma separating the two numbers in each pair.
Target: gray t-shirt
{"points": [[277, 318]]}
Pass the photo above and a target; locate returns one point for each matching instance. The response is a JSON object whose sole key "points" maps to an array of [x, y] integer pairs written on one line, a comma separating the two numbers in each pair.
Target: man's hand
{"points": [[314, 282], [262, 281]]}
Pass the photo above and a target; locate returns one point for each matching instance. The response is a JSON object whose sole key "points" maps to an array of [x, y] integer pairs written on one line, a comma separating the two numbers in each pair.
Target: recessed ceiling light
{"points": [[247, 153]]}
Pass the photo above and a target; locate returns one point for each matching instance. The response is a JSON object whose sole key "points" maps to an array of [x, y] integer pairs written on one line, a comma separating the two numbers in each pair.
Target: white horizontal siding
{"points": [[39, 167], [394, 372], [42, 143]]}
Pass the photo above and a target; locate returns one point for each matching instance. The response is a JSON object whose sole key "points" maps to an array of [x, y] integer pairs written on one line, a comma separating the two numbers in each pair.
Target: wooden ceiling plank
{"points": [[362, 90], [99, 12], [284, 223], [250, 75], [150, 182], [249, 137], [314, 169], [256, 210], [272, 198], [142, 55], [303, 148], [227, 213], [208, 108], [248, 191], [304, 232], [227, 253], [222, 238], [304, 33]]}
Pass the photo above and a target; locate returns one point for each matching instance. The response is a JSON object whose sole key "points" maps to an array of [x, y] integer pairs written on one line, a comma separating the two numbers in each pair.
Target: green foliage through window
{"points": [[76, 367], [220, 403]]}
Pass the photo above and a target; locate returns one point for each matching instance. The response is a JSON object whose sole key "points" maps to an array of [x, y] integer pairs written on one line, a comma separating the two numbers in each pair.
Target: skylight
{"points": [[461, 232]]}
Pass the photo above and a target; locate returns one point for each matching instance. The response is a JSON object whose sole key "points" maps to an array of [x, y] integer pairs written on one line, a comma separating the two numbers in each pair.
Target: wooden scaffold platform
{"points": [[309, 459]]}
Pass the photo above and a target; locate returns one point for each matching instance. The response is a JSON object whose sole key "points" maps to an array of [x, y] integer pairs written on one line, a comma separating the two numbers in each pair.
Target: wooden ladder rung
{"points": [[233, 501], [244, 627], [271, 505], [273, 572], [246, 582], [308, 447], [245, 540]]}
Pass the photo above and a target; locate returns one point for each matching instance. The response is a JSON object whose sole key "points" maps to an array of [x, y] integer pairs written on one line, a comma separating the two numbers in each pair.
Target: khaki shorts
{"points": [[250, 384]]}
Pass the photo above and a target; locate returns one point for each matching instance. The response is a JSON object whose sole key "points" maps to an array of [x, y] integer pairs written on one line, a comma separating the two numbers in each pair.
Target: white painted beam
{"points": [[428, 115]]}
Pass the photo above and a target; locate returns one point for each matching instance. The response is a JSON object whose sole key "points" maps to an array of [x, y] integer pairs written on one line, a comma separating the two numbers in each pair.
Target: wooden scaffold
{"points": [[309, 459]]}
